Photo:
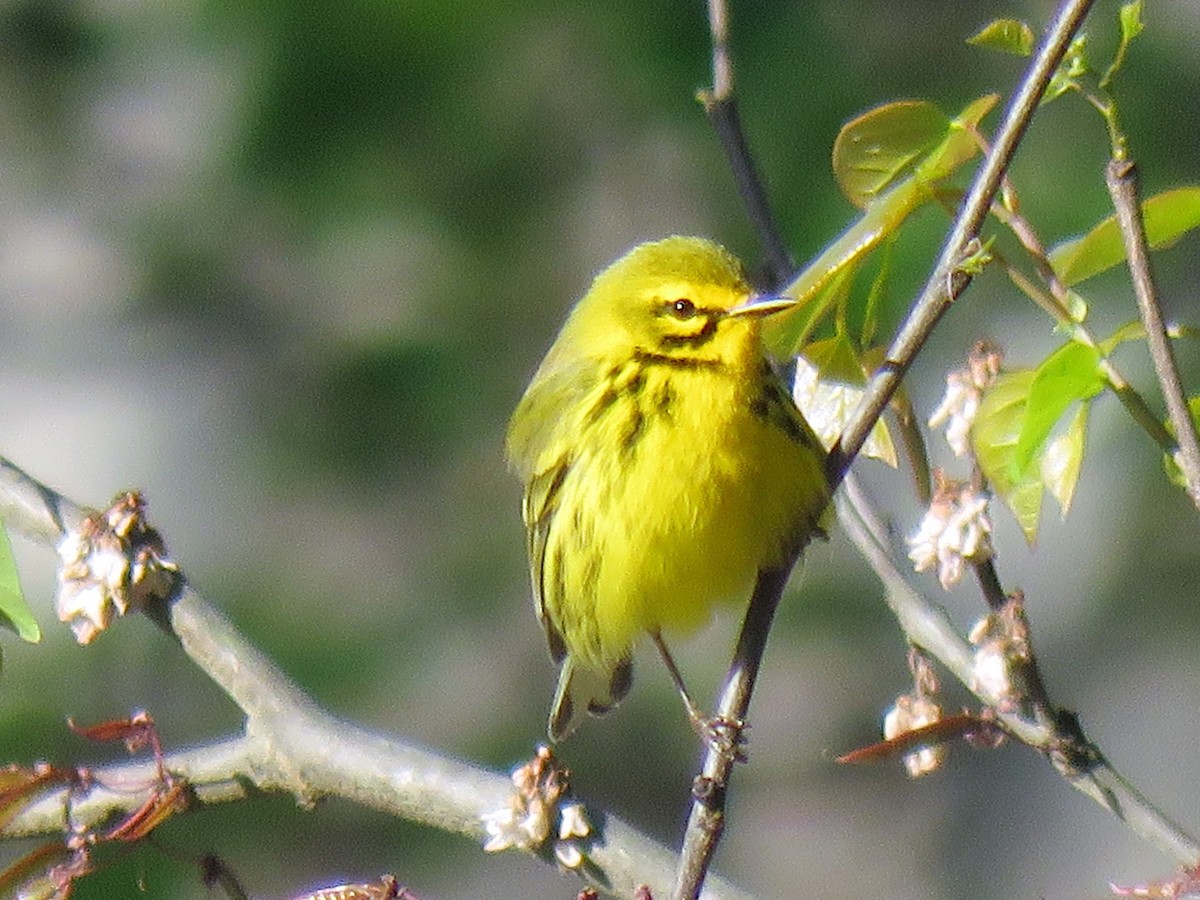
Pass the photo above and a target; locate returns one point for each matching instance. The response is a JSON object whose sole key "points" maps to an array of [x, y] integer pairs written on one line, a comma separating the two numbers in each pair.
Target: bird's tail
{"points": [[582, 689]]}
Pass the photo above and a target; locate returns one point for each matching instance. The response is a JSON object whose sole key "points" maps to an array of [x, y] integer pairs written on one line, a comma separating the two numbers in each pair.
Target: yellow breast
{"points": [[680, 493]]}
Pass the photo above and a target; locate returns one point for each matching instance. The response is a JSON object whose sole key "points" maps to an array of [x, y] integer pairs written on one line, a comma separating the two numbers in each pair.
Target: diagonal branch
{"points": [[720, 104], [706, 822], [292, 745], [948, 280], [1058, 737]]}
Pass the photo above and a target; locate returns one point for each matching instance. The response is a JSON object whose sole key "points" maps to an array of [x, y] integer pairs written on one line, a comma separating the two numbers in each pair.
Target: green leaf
{"points": [[788, 332], [882, 145], [1131, 26], [14, 611], [1168, 216], [1064, 459], [976, 258], [883, 213], [960, 145], [1131, 21], [836, 360], [1070, 373], [1130, 331], [1006, 36], [1073, 66], [994, 437]]}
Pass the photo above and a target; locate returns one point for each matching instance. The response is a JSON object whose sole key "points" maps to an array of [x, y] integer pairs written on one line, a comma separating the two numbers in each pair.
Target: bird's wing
{"points": [[541, 449], [539, 508]]}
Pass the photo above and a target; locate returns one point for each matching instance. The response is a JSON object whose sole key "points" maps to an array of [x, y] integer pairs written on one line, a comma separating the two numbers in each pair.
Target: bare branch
{"points": [[707, 819], [721, 107], [722, 65], [705, 822]]}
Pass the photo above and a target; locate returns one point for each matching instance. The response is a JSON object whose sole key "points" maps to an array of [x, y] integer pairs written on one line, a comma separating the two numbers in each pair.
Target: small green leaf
{"points": [[1168, 216], [1064, 459], [1024, 501], [882, 145], [994, 437], [1131, 26], [1070, 373], [786, 333], [836, 360], [1005, 35], [1130, 331], [14, 611], [1131, 21], [1073, 66], [976, 257]]}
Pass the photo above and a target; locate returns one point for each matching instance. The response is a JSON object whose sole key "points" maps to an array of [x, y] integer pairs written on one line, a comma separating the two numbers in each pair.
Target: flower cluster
{"points": [[956, 530], [964, 390], [112, 563], [539, 810]]}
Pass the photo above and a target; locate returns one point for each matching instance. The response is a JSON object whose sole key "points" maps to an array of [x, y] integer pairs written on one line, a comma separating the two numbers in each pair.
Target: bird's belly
{"points": [[684, 518]]}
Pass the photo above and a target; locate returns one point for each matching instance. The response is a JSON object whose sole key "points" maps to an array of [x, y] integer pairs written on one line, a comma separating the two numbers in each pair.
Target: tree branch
{"points": [[706, 821], [292, 745], [1057, 736], [720, 105]]}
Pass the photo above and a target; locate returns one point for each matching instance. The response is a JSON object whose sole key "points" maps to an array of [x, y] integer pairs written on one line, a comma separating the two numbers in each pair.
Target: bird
{"points": [[664, 465]]}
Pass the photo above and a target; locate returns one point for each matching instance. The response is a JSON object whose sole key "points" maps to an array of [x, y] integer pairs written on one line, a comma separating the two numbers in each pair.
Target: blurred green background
{"points": [[288, 266]]}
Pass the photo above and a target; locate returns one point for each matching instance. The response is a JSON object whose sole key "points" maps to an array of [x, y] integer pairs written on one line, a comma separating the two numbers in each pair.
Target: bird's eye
{"points": [[683, 308]]}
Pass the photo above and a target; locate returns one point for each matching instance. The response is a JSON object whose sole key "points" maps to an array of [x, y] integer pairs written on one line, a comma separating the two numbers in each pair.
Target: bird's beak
{"points": [[762, 306]]}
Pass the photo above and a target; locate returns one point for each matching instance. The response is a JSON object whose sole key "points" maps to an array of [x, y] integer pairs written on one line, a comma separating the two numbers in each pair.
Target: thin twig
{"points": [[989, 584], [722, 63], [1121, 176], [721, 107], [948, 280], [707, 819]]}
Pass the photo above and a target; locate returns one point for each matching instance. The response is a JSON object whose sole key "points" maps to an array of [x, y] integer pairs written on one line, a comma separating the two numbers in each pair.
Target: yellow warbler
{"points": [[664, 465]]}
